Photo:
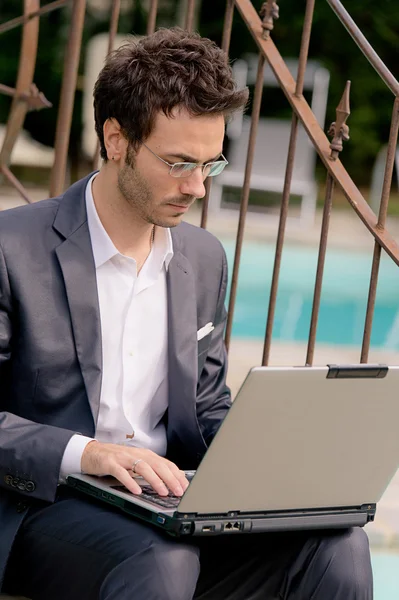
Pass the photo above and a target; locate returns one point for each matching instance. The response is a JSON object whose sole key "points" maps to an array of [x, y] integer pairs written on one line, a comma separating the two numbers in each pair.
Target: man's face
{"points": [[144, 180]]}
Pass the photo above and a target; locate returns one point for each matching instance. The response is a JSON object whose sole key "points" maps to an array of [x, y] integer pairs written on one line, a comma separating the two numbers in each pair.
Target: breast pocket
{"points": [[203, 344], [202, 350]]}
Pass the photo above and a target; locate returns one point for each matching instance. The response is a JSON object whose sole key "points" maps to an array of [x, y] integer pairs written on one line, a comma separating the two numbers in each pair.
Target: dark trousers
{"points": [[77, 549]]}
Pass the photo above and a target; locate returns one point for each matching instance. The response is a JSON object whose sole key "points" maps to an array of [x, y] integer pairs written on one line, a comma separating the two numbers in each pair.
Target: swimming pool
{"points": [[343, 300], [386, 579]]}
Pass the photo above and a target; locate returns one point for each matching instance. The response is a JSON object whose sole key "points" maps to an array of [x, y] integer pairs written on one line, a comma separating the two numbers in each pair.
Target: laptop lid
{"points": [[302, 437]]}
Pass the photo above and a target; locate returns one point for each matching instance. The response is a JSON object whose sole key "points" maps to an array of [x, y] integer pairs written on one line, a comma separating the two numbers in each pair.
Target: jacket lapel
{"points": [[182, 347], [76, 260]]}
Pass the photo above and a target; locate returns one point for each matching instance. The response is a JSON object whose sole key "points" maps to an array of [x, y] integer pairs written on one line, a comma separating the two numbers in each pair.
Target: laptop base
{"points": [[232, 523]]}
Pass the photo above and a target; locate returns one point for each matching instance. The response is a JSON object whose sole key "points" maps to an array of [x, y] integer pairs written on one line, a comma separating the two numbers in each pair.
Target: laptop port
{"points": [[186, 528], [230, 526], [208, 528]]}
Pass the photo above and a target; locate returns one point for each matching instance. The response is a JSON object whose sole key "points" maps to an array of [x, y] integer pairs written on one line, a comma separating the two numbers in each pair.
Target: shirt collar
{"points": [[102, 245]]}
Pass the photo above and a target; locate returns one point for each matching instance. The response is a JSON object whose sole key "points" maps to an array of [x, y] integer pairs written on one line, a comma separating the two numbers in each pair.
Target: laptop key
{"points": [[165, 501], [148, 493]]}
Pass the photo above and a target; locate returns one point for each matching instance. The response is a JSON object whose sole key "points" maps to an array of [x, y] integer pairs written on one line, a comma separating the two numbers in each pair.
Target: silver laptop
{"points": [[301, 448]]}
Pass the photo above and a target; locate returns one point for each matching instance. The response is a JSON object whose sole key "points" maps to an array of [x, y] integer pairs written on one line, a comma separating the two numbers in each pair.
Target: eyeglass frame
{"points": [[203, 166]]}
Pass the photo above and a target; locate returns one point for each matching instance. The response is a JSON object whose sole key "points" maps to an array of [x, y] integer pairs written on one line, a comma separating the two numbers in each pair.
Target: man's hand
{"points": [[115, 460]]}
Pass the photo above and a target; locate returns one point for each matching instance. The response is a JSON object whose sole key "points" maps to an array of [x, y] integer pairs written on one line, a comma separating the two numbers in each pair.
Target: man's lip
{"points": [[182, 207]]}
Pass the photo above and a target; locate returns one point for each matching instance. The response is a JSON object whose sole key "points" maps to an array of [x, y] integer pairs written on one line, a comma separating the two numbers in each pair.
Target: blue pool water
{"points": [[343, 300], [386, 576]]}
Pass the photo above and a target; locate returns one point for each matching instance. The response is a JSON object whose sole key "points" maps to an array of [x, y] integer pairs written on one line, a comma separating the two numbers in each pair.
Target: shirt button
{"points": [[131, 353]]}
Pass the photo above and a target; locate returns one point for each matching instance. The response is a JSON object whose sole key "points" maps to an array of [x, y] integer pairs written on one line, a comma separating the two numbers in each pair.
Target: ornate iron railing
{"points": [[27, 97]]}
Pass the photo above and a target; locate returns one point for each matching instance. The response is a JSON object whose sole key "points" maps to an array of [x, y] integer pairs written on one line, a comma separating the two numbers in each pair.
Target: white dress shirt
{"points": [[134, 335]]}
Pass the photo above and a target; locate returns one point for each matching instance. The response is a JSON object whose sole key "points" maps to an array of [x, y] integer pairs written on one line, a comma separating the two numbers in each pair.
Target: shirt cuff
{"points": [[73, 455]]}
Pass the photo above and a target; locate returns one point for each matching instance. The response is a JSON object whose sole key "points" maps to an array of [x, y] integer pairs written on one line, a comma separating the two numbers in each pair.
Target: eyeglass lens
{"points": [[186, 169]]}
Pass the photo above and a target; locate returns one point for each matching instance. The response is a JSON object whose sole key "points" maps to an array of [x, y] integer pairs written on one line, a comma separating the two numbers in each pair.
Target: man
{"points": [[102, 292]]}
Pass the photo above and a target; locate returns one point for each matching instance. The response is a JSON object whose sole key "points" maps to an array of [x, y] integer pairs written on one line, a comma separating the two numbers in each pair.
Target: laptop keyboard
{"points": [[151, 495]]}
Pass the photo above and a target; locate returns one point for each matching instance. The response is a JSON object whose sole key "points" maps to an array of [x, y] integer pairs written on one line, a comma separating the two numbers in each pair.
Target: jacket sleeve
{"points": [[213, 395], [30, 453]]}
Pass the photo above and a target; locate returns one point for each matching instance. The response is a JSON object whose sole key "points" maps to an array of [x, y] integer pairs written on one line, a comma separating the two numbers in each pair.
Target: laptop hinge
{"points": [[357, 371]]}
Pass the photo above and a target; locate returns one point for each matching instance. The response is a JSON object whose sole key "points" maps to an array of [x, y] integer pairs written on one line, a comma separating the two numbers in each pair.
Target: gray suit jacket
{"points": [[50, 347]]}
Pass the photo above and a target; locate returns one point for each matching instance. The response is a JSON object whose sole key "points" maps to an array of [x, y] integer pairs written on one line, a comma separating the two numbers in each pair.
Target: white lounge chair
{"points": [[272, 143], [377, 177], [27, 152]]}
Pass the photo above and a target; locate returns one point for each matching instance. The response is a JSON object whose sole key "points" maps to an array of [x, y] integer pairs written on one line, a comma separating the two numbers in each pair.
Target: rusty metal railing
{"points": [[260, 30], [27, 97]]}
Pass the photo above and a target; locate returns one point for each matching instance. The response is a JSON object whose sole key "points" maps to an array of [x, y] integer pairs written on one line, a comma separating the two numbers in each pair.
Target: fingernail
{"points": [[164, 490], [178, 490]]}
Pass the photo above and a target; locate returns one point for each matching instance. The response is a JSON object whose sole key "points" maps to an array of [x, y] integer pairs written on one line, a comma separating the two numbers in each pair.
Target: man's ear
{"points": [[114, 140]]}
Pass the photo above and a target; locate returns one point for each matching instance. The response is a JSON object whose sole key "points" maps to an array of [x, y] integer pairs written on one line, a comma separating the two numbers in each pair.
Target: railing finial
{"points": [[339, 129], [35, 100], [268, 12]]}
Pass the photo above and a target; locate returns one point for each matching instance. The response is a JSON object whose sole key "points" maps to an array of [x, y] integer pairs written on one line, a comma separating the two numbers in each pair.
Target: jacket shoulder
{"points": [[199, 242], [23, 219]]}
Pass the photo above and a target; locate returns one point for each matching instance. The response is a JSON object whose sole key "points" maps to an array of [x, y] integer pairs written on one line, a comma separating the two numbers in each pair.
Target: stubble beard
{"points": [[135, 189]]}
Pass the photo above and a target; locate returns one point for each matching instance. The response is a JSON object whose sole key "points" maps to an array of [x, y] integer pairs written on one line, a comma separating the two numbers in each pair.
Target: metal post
{"points": [[152, 17], [26, 71], [340, 132], [320, 269], [113, 29], [386, 189], [245, 195], [228, 25], [205, 204], [64, 121], [190, 14], [287, 183]]}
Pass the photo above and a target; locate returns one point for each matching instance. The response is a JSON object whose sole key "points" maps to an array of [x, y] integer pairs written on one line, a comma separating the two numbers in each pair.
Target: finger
{"points": [[123, 476], [144, 469], [139, 478], [179, 474], [184, 482], [162, 469], [155, 470]]}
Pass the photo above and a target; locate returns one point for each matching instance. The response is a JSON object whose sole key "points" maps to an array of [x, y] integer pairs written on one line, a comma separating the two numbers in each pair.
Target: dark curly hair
{"points": [[169, 68]]}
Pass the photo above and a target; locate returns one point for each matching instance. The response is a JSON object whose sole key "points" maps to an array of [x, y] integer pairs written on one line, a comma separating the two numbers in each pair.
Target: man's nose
{"points": [[194, 184]]}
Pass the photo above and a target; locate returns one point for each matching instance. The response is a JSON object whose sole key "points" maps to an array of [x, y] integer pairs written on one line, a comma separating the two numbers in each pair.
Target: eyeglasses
{"points": [[185, 169]]}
